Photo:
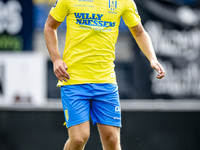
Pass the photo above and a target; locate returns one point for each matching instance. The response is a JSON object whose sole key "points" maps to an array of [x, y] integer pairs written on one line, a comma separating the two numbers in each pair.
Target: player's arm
{"points": [[144, 42], [50, 33]]}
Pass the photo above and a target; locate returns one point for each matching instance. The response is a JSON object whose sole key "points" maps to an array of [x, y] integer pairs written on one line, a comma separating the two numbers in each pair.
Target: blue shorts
{"points": [[101, 101]]}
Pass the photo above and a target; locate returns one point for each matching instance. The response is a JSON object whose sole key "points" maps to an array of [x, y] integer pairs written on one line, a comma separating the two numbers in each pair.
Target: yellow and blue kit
{"points": [[92, 31]]}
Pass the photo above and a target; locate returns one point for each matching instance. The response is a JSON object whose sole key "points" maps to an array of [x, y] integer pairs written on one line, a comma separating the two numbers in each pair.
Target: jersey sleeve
{"points": [[60, 10], [130, 14]]}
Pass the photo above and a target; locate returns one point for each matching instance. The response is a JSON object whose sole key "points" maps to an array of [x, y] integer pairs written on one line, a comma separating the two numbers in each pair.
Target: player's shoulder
{"points": [[61, 2]]}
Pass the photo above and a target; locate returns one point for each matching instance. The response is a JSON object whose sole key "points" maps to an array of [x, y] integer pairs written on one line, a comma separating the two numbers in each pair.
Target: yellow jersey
{"points": [[92, 31]]}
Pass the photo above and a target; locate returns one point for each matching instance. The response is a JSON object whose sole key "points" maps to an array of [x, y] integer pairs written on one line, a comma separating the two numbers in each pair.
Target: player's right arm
{"points": [[50, 33]]}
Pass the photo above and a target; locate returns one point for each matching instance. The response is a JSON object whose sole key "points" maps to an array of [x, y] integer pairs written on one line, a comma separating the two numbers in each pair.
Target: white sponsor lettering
{"points": [[10, 17], [117, 118], [174, 43], [117, 109]]}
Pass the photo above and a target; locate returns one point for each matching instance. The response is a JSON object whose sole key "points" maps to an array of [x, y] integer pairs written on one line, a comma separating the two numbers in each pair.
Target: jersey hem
{"points": [[83, 82]]}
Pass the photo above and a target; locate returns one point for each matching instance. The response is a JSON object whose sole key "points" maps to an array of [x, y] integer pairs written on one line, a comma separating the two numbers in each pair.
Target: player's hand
{"points": [[158, 67], [60, 70]]}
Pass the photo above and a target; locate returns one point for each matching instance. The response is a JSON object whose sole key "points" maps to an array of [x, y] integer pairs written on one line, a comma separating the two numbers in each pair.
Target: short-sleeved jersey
{"points": [[92, 31]]}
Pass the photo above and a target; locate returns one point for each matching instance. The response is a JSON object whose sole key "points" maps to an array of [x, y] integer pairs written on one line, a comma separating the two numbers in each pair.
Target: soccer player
{"points": [[86, 72]]}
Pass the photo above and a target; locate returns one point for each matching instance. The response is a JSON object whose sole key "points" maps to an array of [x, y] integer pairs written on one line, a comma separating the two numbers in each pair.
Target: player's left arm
{"points": [[144, 42]]}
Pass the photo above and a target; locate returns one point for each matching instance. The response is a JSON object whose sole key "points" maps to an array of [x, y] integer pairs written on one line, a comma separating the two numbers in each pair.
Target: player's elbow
{"points": [[140, 33]]}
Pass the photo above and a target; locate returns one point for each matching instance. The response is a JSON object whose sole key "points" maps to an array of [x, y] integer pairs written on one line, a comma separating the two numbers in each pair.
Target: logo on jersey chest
{"points": [[112, 4], [93, 19]]}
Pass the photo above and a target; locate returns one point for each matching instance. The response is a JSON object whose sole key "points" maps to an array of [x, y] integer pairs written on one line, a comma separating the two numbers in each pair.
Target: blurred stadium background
{"points": [[156, 114]]}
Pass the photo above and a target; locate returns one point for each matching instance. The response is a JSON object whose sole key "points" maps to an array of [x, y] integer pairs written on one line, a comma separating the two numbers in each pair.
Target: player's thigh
{"points": [[109, 134], [79, 132]]}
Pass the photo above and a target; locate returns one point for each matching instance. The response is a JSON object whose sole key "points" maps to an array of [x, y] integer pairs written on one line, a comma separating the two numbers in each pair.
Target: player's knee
{"points": [[81, 140], [113, 141], [86, 136]]}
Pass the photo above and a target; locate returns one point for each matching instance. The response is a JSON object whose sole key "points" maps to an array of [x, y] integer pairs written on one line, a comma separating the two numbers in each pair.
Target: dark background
{"points": [[141, 131]]}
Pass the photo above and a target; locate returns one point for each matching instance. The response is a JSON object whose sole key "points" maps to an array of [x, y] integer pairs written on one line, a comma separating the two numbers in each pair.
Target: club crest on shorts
{"points": [[112, 4], [66, 115]]}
